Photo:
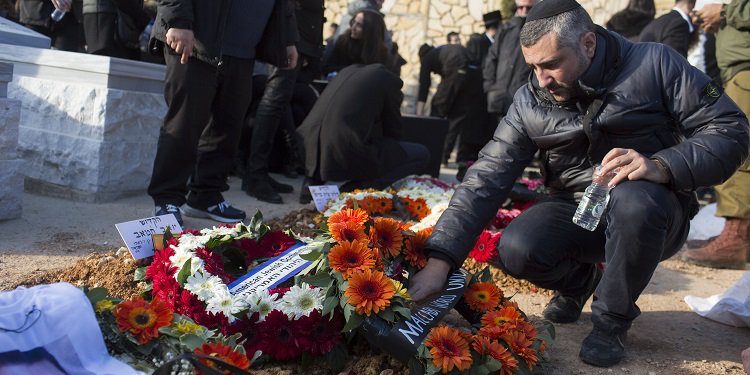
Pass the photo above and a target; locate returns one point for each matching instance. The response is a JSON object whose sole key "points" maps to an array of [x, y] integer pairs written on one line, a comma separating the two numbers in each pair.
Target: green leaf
{"points": [[479, 370], [337, 358], [388, 315], [348, 310], [96, 294], [191, 341], [184, 273], [403, 311], [493, 364], [139, 274], [353, 322], [329, 305], [311, 256], [320, 280], [415, 367]]}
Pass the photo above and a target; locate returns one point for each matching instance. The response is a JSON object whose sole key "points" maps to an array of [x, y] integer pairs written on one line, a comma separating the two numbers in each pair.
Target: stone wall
{"points": [[11, 166], [414, 22]]}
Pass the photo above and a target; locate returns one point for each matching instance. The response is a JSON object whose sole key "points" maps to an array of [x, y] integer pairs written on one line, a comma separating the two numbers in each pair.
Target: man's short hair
{"points": [[450, 35], [569, 27]]}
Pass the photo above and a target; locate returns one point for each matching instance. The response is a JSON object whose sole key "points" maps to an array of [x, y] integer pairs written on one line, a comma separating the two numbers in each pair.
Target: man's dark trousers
{"points": [[644, 224], [275, 102], [201, 130]]}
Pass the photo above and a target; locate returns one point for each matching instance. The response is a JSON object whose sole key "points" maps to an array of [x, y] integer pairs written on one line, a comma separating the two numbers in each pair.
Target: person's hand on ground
{"points": [[631, 165], [429, 280], [181, 41]]}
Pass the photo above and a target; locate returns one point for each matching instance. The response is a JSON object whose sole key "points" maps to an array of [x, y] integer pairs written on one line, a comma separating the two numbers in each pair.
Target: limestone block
{"points": [[399, 8], [11, 188], [466, 29], [434, 25], [458, 12], [414, 7], [125, 167], [447, 21], [440, 6], [10, 111], [433, 14]]}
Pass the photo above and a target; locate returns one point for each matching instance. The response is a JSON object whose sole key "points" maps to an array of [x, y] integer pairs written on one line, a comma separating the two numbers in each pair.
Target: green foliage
{"points": [[415, 367], [321, 280], [184, 273], [329, 305], [337, 358], [140, 274]]}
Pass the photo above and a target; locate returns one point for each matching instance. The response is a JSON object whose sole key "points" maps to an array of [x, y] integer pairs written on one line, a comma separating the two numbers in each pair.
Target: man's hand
{"points": [[62, 4], [429, 280], [746, 360], [710, 17], [420, 109], [181, 41], [291, 58], [631, 165]]}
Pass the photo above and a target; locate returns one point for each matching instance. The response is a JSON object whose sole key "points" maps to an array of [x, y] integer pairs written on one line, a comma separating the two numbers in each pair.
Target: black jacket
{"points": [[504, 69], [309, 15], [650, 98], [629, 23], [207, 19], [670, 29], [354, 127]]}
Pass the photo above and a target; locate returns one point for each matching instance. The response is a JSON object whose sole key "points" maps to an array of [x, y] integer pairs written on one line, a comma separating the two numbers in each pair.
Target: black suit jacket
{"points": [[354, 127], [670, 29]]}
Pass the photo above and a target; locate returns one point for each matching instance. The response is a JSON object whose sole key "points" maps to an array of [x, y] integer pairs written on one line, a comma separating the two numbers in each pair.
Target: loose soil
{"points": [[666, 339]]}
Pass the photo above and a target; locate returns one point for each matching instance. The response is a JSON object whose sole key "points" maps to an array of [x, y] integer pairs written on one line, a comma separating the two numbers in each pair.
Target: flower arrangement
{"points": [[192, 275], [148, 335]]}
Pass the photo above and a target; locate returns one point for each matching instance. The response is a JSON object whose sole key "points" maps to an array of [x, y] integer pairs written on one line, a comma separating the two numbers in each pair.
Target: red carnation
{"points": [[213, 264], [278, 338], [486, 247], [318, 335]]}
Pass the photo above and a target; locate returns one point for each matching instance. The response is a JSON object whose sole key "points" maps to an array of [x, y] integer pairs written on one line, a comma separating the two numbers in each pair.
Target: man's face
{"points": [[558, 68], [523, 7], [454, 39], [357, 26]]}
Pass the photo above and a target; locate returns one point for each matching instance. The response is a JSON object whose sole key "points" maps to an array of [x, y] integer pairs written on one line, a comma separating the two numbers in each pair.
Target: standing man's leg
{"points": [[189, 91], [732, 247], [274, 103], [218, 142]]}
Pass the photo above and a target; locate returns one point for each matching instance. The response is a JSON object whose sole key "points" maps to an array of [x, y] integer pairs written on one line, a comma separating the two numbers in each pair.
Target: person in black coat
{"points": [[479, 44], [65, 34], [673, 29], [210, 48], [458, 98], [630, 21], [353, 131], [504, 69]]}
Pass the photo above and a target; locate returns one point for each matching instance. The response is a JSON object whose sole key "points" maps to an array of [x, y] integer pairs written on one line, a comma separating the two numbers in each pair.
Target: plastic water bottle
{"points": [[594, 201], [57, 15]]}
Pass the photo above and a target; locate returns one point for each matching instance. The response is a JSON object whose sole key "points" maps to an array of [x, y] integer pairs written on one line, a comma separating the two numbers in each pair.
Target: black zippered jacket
{"points": [[644, 97]]}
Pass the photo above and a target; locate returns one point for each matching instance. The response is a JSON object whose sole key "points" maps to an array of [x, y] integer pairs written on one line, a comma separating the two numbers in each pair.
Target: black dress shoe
{"points": [[262, 190], [305, 196], [280, 187]]}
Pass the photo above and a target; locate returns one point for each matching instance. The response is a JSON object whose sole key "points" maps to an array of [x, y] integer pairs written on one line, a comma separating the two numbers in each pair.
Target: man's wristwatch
{"points": [[663, 168]]}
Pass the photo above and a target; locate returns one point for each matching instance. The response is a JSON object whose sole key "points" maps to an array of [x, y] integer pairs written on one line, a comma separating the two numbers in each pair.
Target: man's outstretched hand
{"points": [[429, 280]]}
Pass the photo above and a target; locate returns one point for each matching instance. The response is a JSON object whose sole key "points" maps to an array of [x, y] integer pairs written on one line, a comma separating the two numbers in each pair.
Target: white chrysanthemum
{"points": [[180, 257], [432, 218], [263, 303], [189, 242], [300, 301], [219, 231], [222, 302], [202, 284]]}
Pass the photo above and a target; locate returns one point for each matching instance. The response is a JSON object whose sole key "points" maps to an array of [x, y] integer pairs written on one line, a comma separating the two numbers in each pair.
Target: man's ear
{"points": [[588, 41]]}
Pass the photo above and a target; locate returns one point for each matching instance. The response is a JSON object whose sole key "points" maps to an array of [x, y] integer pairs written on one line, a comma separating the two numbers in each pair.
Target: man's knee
{"points": [[640, 200], [515, 253]]}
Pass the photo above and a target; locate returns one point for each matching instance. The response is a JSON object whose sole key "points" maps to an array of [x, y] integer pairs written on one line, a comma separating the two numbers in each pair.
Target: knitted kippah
{"points": [[549, 8]]}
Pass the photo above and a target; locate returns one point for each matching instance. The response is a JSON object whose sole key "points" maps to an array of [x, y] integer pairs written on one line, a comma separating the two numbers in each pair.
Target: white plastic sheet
{"points": [[706, 224], [731, 307]]}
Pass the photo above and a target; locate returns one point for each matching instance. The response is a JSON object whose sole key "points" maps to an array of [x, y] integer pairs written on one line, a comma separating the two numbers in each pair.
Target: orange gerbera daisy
{"points": [[348, 215], [348, 257], [449, 349], [497, 351], [483, 297], [382, 205], [497, 318], [348, 231], [224, 353], [417, 207], [521, 345], [415, 248], [528, 329], [369, 291], [143, 319], [386, 235]]}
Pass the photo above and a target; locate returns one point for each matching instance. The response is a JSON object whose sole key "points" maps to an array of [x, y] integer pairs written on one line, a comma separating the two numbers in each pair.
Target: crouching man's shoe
{"points": [[602, 348], [566, 308]]}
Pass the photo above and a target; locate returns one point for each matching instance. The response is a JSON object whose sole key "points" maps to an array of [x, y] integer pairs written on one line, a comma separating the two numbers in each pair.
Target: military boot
{"points": [[728, 250]]}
